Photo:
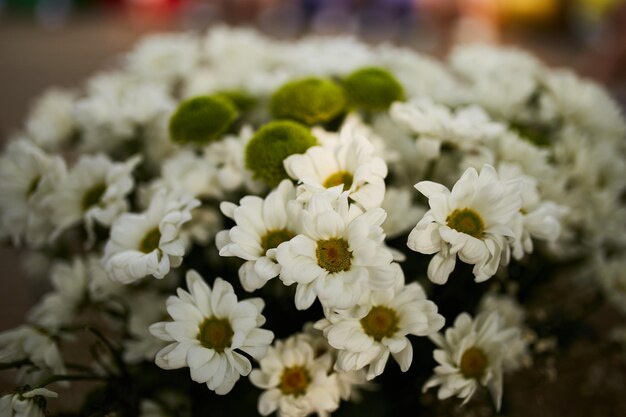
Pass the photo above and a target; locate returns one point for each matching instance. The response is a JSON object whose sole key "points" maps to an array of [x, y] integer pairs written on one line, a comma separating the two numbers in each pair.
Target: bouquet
{"points": [[230, 225]]}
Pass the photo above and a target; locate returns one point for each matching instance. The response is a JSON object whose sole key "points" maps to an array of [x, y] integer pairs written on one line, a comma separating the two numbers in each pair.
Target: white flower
{"points": [[296, 382], [209, 330], [351, 162], [50, 122], [165, 57], [186, 171], [35, 346], [148, 243], [28, 177], [367, 334], [338, 258], [29, 403], [401, 212], [61, 306], [95, 190], [261, 225], [471, 355], [472, 221], [145, 308]]}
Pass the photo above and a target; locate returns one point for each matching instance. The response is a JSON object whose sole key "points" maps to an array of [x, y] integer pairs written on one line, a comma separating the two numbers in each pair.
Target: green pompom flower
{"points": [[242, 100], [372, 89], [201, 120], [309, 100], [271, 144]]}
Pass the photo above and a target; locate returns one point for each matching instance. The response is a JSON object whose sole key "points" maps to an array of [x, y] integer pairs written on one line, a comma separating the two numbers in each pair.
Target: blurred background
{"points": [[61, 42]]}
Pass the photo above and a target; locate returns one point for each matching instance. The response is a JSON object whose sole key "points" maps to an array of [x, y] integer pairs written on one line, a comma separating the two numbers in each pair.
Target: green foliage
{"points": [[309, 100], [201, 120], [372, 89], [271, 144]]}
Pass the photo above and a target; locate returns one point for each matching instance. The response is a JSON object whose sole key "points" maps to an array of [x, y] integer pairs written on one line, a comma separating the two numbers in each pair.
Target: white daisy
{"points": [[28, 403], [350, 162], [148, 243], [296, 382], [70, 292], [50, 123], [472, 220], [186, 171], [338, 258], [37, 348], [145, 308], [367, 334], [471, 355], [261, 225], [28, 177], [95, 190], [401, 212], [209, 331]]}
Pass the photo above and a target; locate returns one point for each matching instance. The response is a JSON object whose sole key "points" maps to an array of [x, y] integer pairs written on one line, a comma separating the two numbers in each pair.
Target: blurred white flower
{"points": [[29, 403], [209, 331], [148, 243], [51, 123]]}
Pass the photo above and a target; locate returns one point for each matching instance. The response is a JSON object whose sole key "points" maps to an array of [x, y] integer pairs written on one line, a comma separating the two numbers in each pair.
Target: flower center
{"points": [[473, 363], [151, 241], [333, 255], [32, 187], [273, 238], [93, 195], [466, 221], [380, 322], [216, 334], [295, 380], [339, 177]]}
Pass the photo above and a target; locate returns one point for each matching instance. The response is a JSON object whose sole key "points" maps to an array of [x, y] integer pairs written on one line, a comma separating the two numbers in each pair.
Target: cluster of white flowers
{"points": [[274, 163]]}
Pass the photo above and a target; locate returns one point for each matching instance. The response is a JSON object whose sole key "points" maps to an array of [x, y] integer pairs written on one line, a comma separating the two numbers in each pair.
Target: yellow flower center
{"points": [[333, 255], [273, 238], [151, 241], [473, 363], [339, 177], [295, 380], [466, 221], [93, 195], [380, 322], [216, 334]]}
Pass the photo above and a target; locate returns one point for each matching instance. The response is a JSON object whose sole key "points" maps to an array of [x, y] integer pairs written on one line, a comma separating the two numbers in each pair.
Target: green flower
{"points": [[242, 100], [372, 89], [271, 144], [201, 120], [309, 101]]}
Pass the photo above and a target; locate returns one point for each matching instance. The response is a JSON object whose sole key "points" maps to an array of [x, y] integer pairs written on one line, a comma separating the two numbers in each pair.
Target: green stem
{"points": [[14, 364]]}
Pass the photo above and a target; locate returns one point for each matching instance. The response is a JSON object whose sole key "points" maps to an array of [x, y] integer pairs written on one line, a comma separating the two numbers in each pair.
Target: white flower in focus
{"points": [[28, 343], [61, 306], [338, 258], [350, 162], [30, 403], [165, 57], [471, 221], [95, 190], [367, 334], [28, 177], [148, 243], [209, 331], [470, 355], [50, 122], [261, 225], [296, 382]]}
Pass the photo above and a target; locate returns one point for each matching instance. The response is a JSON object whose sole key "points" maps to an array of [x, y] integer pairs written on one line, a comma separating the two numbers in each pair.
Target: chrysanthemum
{"points": [[50, 122], [95, 190], [296, 382], [261, 225], [28, 177], [338, 258], [26, 403], [471, 221], [367, 334], [148, 243], [350, 162], [471, 355], [209, 331]]}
